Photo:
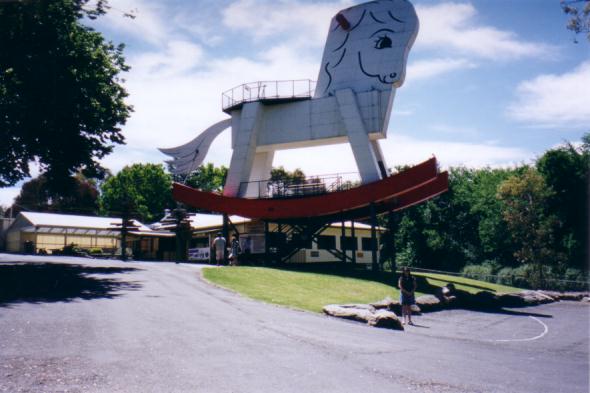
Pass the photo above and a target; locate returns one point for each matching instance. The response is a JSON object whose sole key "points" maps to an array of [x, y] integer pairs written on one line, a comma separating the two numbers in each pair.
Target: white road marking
{"points": [[545, 330]]}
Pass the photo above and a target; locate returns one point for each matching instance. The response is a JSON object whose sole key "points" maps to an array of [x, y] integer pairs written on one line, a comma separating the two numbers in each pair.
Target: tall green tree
{"points": [[525, 198], [141, 190], [208, 177], [61, 99], [80, 196], [566, 171], [292, 177]]}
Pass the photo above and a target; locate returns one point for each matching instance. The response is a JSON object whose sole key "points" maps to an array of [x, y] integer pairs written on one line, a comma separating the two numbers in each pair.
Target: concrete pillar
{"points": [[261, 168], [242, 160], [362, 148]]}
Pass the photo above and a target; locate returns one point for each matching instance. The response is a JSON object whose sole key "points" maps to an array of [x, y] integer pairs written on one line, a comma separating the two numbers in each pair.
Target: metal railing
{"points": [[315, 185], [267, 90]]}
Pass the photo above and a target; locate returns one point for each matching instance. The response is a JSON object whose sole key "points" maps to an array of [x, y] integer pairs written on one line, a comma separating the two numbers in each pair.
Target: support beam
{"points": [[225, 235], [266, 244], [362, 148], [356, 243], [242, 160], [374, 262], [342, 241]]}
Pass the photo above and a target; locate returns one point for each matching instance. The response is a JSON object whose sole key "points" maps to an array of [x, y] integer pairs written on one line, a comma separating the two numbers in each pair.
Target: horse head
{"points": [[367, 47]]}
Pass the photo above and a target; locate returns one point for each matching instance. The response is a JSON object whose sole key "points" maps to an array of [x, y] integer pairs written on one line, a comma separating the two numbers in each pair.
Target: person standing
{"points": [[407, 286], [235, 250], [219, 248]]}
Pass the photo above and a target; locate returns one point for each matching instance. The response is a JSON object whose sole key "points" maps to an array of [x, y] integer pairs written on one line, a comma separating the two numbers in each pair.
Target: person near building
{"points": [[407, 286], [219, 248], [235, 251]]}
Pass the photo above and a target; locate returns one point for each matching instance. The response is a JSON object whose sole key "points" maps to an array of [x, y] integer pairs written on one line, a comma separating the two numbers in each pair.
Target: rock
{"points": [[364, 313], [573, 295], [416, 309], [552, 294], [386, 303], [386, 319], [485, 300], [510, 300], [428, 303], [359, 306], [349, 312], [532, 298], [585, 299]]}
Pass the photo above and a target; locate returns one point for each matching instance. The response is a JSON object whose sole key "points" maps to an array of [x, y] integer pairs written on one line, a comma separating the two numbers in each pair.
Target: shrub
{"points": [[482, 272]]}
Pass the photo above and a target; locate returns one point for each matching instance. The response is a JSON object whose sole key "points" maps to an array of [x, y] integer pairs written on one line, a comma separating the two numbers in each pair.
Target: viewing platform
{"points": [[267, 92]]}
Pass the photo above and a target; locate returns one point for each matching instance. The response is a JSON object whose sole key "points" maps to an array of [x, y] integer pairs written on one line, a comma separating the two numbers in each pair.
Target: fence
{"points": [[267, 90]]}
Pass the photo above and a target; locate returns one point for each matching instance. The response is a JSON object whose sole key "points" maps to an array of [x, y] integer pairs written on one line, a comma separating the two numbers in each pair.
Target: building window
{"points": [[366, 246], [348, 243], [301, 241], [326, 242]]}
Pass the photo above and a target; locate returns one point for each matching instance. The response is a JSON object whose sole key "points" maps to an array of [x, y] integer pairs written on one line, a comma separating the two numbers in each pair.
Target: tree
{"points": [[144, 190], [525, 198], [79, 195], [61, 98], [566, 170], [579, 14], [208, 178], [281, 174]]}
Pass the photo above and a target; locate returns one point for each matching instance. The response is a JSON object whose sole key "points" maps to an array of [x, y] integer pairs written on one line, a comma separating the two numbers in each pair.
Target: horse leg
{"points": [[363, 150], [244, 149]]}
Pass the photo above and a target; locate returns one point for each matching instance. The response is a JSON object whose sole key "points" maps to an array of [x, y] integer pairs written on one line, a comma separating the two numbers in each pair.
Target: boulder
{"points": [[428, 303], [485, 300], [532, 298], [385, 319], [510, 300], [416, 309], [349, 311], [364, 313], [386, 303], [578, 296], [585, 299]]}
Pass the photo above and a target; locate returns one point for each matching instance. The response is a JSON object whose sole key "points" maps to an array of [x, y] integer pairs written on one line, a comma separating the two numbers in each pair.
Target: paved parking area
{"points": [[78, 325]]}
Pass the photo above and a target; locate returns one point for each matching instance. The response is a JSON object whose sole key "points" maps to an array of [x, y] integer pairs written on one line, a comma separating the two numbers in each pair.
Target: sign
{"points": [[199, 254]]}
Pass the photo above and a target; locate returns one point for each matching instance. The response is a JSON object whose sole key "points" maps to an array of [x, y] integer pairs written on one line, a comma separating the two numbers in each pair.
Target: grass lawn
{"points": [[312, 291], [306, 291], [466, 284]]}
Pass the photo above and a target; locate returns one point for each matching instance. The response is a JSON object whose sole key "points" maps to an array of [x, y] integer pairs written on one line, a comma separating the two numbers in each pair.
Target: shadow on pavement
{"points": [[54, 282]]}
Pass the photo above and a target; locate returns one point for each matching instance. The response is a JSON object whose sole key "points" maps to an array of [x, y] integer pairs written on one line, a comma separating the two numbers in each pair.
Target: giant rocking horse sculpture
{"points": [[364, 61]]}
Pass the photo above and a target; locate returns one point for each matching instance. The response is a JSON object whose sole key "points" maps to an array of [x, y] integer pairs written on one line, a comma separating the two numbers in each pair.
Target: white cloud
{"points": [[148, 25], [7, 195], [453, 26], [403, 150], [306, 22], [554, 100], [176, 94], [408, 150], [430, 68]]}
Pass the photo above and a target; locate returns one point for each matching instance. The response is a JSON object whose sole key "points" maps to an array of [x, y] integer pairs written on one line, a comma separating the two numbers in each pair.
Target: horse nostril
{"points": [[393, 74]]}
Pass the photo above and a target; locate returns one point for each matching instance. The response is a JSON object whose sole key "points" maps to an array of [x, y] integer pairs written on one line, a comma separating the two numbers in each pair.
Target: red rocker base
{"points": [[396, 192]]}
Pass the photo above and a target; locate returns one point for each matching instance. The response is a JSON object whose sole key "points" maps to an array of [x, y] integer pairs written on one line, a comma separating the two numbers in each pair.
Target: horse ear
{"points": [[343, 22]]}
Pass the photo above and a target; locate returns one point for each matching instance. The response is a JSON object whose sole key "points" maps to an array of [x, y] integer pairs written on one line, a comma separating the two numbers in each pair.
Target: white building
{"points": [[46, 232], [329, 245]]}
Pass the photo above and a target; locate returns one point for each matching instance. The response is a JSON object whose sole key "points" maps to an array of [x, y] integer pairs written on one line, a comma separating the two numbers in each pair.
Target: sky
{"points": [[489, 82]]}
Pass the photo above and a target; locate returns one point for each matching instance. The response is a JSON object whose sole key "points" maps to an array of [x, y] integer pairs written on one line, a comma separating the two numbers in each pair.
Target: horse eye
{"points": [[383, 42]]}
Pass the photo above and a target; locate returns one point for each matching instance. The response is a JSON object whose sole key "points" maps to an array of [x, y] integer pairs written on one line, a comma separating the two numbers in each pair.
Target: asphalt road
{"points": [[77, 325]]}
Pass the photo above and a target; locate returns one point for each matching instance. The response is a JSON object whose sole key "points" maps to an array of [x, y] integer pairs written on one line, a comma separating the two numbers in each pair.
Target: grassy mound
{"points": [[311, 291]]}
